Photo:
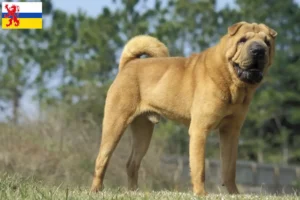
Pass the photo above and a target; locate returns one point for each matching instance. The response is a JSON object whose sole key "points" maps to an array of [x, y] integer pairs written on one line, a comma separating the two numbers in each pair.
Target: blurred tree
{"points": [[76, 60], [73, 60], [273, 119], [18, 64]]}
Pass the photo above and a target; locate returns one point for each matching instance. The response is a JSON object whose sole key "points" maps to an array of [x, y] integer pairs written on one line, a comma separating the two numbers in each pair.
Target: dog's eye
{"points": [[267, 43], [242, 40]]}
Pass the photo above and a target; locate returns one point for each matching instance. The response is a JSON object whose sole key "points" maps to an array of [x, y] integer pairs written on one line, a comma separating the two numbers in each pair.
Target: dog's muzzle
{"points": [[253, 72], [257, 51], [250, 75]]}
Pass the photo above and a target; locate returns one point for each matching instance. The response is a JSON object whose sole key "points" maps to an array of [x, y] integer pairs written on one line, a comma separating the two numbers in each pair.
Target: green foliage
{"points": [[73, 60], [274, 113], [16, 71]]}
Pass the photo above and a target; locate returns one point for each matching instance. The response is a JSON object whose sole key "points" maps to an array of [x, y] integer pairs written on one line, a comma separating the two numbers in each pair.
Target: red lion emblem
{"points": [[12, 13]]}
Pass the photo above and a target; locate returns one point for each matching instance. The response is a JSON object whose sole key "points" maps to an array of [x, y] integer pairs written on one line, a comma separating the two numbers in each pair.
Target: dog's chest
{"points": [[239, 95]]}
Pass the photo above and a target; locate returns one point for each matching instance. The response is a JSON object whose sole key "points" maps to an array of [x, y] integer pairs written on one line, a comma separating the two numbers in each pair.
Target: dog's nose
{"points": [[257, 50]]}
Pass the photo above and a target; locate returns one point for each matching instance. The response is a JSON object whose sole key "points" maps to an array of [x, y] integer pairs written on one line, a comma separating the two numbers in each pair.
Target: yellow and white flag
{"points": [[22, 15]]}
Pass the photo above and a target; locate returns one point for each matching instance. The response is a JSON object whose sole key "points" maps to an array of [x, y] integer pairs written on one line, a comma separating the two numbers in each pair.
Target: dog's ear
{"points": [[272, 32], [235, 27]]}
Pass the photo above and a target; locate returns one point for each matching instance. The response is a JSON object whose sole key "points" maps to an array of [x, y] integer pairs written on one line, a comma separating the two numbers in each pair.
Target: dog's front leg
{"points": [[198, 136], [229, 136]]}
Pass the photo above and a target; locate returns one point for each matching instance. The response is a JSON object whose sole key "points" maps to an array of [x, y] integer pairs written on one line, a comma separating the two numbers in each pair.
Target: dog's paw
{"points": [[96, 186], [202, 193]]}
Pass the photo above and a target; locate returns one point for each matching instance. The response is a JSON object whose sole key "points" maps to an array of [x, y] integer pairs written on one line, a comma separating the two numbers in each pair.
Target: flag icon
{"points": [[22, 15]]}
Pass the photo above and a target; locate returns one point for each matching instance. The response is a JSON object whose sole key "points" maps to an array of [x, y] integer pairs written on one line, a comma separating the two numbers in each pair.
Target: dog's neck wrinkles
{"points": [[231, 92], [217, 74]]}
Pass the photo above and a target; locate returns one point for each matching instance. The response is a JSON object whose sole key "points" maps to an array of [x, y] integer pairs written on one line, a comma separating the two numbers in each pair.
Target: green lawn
{"points": [[14, 188]]}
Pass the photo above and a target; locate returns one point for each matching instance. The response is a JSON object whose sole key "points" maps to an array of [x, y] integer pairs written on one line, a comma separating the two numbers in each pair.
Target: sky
{"points": [[93, 7]]}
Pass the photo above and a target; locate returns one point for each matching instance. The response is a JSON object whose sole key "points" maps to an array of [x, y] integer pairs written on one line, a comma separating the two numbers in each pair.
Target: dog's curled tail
{"points": [[142, 44]]}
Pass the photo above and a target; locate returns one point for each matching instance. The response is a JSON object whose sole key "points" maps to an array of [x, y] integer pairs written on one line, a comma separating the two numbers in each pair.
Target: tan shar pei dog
{"points": [[207, 91]]}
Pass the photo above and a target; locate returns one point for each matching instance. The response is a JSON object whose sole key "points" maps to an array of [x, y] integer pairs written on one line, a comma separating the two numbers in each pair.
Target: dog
{"points": [[207, 91]]}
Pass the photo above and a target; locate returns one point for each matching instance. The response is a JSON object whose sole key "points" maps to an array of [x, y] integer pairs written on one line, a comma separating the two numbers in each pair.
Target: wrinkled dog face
{"points": [[250, 50]]}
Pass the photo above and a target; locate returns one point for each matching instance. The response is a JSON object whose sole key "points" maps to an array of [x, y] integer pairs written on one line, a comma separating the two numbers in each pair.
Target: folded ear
{"points": [[235, 27], [272, 32]]}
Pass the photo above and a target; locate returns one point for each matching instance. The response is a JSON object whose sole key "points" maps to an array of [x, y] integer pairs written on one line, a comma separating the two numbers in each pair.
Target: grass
{"points": [[59, 153], [61, 150], [16, 187]]}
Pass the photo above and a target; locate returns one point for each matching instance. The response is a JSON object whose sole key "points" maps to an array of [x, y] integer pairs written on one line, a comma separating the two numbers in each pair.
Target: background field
{"points": [[53, 84]]}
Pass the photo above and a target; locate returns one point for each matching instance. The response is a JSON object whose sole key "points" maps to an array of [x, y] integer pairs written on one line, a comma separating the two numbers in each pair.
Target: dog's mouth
{"points": [[251, 75]]}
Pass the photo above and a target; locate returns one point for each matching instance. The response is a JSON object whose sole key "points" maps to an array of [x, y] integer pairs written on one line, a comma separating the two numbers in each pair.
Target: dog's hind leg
{"points": [[111, 134], [117, 116], [142, 130]]}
